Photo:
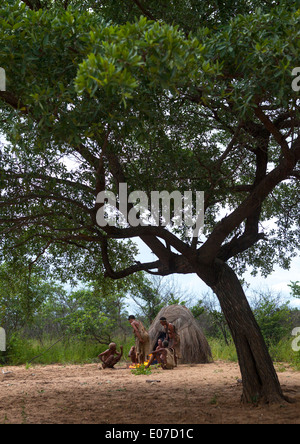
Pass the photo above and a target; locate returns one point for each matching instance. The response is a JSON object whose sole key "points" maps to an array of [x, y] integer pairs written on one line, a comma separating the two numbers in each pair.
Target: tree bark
{"points": [[260, 381]]}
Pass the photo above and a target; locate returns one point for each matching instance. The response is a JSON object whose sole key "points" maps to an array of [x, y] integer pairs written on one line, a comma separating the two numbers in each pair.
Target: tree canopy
{"points": [[135, 100], [160, 96]]}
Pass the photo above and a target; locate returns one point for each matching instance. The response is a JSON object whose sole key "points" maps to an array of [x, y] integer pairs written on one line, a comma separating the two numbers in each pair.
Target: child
{"points": [[133, 356], [110, 357], [172, 337]]}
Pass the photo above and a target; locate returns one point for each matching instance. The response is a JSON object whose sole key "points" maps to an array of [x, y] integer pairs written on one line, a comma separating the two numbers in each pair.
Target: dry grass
{"points": [[194, 347]]}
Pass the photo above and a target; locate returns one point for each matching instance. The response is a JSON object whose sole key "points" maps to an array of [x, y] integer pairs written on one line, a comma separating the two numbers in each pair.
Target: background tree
{"points": [[21, 295], [154, 293], [212, 318], [295, 289], [273, 316], [205, 105], [98, 313], [47, 320]]}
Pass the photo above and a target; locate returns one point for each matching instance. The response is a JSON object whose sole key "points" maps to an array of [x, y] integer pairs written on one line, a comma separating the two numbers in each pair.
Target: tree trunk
{"points": [[260, 381]]}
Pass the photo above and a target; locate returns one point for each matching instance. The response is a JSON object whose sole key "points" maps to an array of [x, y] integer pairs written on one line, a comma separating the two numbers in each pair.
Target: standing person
{"points": [[172, 337], [110, 357], [142, 343]]}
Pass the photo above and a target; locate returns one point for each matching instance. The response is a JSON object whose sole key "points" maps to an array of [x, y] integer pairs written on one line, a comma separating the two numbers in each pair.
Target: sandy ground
{"points": [[189, 394]]}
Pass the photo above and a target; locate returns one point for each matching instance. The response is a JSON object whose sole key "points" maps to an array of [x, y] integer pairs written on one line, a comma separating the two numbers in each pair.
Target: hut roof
{"points": [[194, 347]]}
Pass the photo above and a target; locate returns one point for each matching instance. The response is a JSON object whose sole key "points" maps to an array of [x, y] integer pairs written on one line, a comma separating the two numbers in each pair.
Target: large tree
{"points": [[204, 105]]}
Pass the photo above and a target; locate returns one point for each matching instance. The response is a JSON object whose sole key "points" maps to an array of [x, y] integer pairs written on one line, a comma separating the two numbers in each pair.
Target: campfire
{"points": [[139, 365]]}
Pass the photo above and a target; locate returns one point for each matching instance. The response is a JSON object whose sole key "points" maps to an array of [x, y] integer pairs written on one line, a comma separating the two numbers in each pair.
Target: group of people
{"points": [[166, 353]]}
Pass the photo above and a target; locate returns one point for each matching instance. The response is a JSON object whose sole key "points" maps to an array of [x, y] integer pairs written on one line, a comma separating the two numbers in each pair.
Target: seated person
{"points": [[110, 357], [172, 337], [159, 345], [164, 356]]}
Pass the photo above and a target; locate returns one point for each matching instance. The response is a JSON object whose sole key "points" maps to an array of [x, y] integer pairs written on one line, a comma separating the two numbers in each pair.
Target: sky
{"points": [[277, 282]]}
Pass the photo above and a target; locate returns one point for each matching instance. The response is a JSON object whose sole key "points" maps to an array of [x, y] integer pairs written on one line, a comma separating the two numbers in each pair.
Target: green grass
{"points": [[64, 352], [221, 351], [283, 352], [72, 351], [141, 370], [280, 352]]}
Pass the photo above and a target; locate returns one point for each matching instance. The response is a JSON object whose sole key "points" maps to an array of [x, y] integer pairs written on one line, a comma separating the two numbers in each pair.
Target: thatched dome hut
{"points": [[194, 347]]}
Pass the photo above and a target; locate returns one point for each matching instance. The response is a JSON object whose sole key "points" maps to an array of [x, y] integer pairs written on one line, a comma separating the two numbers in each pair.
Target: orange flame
{"points": [[138, 365]]}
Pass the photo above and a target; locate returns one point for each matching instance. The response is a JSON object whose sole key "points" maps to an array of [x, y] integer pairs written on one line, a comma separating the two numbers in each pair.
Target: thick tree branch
{"points": [[176, 264], [151, 231], [239, 245], [261, 153], [229, 148], [15, 102], [34, 5], [31, 196], [87, 155], [126, 272], [280, 139], [143, 9], [295, 174], [210, 249], [148, 235], [38, 176]]}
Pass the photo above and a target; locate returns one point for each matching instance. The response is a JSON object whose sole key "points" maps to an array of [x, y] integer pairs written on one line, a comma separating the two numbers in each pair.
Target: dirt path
{"points": [[196, 394]]}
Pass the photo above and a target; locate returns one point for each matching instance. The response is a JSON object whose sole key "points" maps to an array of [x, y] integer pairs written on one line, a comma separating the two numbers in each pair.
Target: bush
{"points": [[273, 317]]}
